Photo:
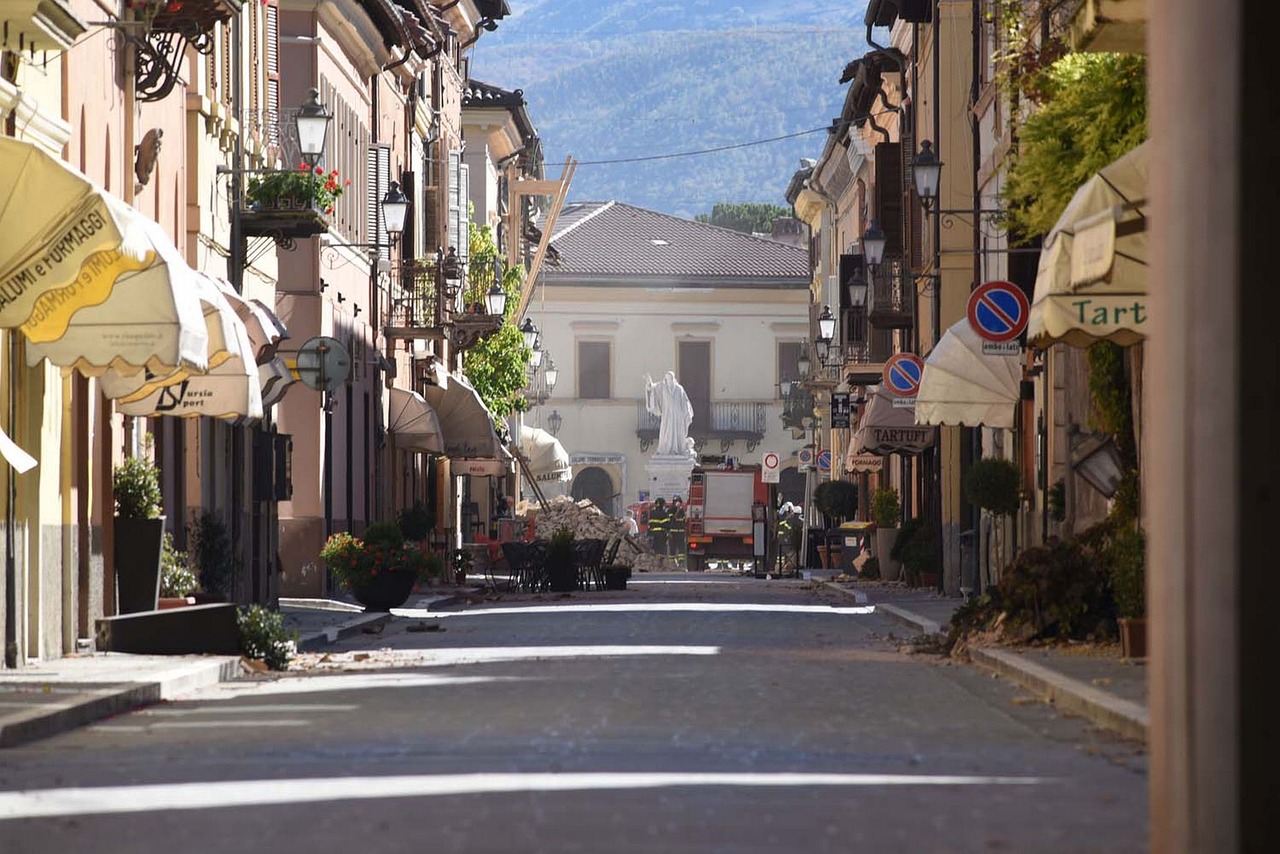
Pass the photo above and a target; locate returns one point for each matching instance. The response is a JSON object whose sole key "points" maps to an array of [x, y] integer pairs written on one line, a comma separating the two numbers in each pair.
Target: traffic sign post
{"points": [[824, 460], [804, 459], [770, 467], [998, 312], [902, 374]]}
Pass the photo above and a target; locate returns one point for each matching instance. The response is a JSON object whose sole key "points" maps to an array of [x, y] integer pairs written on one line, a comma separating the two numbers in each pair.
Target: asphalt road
{"points": [[733, 715]]}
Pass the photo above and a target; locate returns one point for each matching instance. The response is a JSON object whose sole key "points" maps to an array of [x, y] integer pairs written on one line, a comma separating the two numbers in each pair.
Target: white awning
{"points": [[466, 421], [546, 458], [69, 249], [413, 422], [1092, 280], [963, 386], [885, 428], [21, 461], [265, 329], [231, 389], [274, 378]]}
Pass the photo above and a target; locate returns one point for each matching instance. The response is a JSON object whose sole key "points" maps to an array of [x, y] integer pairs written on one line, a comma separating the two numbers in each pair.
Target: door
{"points": [[694, 373]]}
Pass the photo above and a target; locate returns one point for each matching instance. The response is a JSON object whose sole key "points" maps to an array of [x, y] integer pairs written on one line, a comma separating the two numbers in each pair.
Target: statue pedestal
{"points": [[669, 476]]}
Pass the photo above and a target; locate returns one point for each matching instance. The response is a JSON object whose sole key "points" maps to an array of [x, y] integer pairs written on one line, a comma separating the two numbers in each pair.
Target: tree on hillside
{"points": [[747, 217]]}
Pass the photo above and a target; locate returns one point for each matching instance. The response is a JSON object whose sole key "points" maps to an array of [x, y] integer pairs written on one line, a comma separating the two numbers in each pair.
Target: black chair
{"points": [[536, 579], [587, 554]]}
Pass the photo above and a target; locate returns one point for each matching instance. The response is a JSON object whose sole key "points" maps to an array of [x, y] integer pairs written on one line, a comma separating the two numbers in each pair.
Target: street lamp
{"points": [[926, 172], [826, 325], [395, 207], [535, 355], [873, 243], [495, 301], [530, 333], [554, 420], [802, 363], [551, 374], [312, 123]]}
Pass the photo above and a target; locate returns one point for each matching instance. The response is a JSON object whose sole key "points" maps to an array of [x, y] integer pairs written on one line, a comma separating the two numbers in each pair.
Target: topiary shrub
{"points": [[836, 500], [918, 553], [870, 569], [994, 485], [176, 578], [212, 553], [135, 483], [908, 530], [263, 636], [416, 522], [1128, 572], [886, 512]]}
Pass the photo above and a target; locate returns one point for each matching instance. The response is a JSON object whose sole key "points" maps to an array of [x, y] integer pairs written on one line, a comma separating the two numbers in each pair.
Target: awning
{"points": [[265, 329], [1092, 281], [231, 389], [963, 386], [885, 428], [274, 377], [21, 461], [413, 422], [546, 458], [465, 420], [68, 248]]}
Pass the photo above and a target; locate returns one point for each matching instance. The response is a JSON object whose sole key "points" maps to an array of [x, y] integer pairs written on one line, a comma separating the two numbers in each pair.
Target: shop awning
{"points": [[265, 328], [963, 386], [230, 389], [21, 461], [465, 421], [413, 422], [885, 428], [545, 458], [1092, 280], [274, 377], [70, 249]]}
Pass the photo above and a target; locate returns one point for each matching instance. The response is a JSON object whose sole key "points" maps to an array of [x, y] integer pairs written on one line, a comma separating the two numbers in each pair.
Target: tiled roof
{"points": [[605, 241], [478, 94]]}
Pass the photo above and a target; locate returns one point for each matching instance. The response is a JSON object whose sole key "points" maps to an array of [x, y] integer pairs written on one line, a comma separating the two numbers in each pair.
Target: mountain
{"points": [[611, 80]]}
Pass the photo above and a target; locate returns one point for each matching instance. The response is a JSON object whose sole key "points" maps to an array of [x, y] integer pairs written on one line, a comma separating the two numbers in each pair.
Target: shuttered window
{"points": [[889, 185], [594, 370], [272, 117], [788, 362], [377, 177], [464, 208]]}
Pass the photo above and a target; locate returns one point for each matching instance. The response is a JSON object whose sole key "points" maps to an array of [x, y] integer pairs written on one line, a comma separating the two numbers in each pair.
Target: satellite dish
{"points": [[323, 363]]}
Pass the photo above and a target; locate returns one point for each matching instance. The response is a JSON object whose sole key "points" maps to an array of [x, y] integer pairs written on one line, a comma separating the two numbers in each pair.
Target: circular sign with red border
{"points": [[998, 311], [902, 374], [771, 460]]}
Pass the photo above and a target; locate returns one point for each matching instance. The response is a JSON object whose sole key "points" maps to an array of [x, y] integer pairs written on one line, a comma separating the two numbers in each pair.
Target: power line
{"points": [[703, 150]]}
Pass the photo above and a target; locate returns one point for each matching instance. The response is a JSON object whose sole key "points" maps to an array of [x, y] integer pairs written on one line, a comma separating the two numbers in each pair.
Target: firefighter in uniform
{"points": [[788, 535], [676, 528], [659, 520]]}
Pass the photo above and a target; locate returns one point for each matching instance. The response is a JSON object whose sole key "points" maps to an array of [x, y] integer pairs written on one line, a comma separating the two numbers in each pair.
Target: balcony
{"points": [[891, 297], [730, 421], [170, 26], [863, 364], [418, 310]]}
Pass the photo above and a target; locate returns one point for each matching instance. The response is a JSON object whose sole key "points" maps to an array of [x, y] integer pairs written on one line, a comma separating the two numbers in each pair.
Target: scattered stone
{"points": [[424, 627], [373, 630], [360, 656]]}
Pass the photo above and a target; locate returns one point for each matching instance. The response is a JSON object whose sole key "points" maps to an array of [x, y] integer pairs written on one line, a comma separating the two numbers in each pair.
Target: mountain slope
{"points": [[631, 79]]}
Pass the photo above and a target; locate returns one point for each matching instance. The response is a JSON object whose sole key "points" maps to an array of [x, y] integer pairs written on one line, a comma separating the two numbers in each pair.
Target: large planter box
{"points": [[284, 218], [138, 547]]}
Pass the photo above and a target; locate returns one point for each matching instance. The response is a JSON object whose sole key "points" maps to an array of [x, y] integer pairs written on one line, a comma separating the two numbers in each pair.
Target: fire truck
{"points": [[725, 503]]}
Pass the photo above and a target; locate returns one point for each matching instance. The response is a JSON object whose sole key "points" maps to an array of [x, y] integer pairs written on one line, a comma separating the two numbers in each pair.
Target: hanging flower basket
{"points": [[291, 203]]}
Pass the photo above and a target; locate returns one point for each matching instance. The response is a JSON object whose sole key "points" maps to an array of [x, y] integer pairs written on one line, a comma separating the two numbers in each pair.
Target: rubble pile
{"points": [[587, 521]]}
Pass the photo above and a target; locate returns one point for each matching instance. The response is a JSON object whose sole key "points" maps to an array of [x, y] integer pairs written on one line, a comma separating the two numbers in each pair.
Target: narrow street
{"points": [[716, 713]]}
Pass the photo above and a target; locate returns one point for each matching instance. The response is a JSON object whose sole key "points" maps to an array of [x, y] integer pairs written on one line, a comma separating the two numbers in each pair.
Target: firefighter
{"points": [[676, 528], [659, 520], [788, 535]]}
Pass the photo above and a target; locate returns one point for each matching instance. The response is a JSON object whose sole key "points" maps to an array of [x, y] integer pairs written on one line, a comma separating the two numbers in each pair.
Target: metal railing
{"points": [[729, 420]]}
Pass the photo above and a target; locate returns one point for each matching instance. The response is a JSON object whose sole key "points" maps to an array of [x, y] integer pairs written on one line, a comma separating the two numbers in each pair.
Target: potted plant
{"points": [[463, 561], [562, 575], [297, 189], [836, 500], [1128, 588], [994, 485], [177, 581], [379, 570], [213, 554], [914, 549], [886, 512], [416, 522], [139, 534]]}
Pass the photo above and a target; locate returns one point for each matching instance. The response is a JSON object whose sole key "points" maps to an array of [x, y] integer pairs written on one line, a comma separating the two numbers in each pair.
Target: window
{"points": [[788, 361], [594, 372]]}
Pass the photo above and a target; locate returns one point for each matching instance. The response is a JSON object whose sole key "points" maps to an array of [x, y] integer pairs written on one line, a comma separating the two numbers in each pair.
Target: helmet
{"points": [[788, 507]]}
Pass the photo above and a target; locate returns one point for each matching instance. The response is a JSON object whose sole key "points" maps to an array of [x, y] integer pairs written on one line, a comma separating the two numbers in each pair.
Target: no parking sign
{"points": [[998, 311]]}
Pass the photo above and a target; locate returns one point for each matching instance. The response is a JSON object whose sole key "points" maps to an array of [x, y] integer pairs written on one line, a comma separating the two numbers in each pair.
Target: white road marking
{"points": [[715, 607], [104, 800], [278, 708], [223, 724]]}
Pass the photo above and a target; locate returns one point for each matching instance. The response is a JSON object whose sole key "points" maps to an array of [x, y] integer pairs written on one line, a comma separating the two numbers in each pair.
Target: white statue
{"points": [[668, 401]]}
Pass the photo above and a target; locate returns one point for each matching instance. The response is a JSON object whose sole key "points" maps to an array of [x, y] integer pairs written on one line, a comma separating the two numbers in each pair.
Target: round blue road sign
{"points": [[998, 311], [902, 374]]}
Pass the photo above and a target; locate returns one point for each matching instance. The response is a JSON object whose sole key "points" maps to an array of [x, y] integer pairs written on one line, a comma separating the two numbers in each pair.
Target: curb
{"points": [[923, 625], [1127, 718], [858, 595], [319, 640], [94, 704]]}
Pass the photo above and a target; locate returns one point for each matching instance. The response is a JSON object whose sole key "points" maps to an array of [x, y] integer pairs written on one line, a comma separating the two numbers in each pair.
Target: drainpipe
{"points": [[11, 520]]}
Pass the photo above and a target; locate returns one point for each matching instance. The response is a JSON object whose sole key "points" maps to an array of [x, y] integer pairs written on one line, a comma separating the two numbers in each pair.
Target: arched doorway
{"points": [[595, 484]]}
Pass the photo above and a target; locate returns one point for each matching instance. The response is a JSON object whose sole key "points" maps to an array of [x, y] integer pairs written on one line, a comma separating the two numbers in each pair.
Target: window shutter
{"points": [[593, 370], [889, 196], [464, 213], [377, 176], [272, 117], [455, 215]]}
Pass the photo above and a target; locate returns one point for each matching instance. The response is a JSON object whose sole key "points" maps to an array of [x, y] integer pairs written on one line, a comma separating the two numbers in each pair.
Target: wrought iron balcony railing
{"points": [[891, 296]]}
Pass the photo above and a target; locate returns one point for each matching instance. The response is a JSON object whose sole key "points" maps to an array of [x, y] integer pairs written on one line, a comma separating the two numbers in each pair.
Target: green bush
{"points": [[263, 636], [416, 522], [837, 500], [870, 569], [994, 484], [905, 533], [1057, 500], [919, 554], [212, 553], [386, 534], [176, 578], [1128, 572], [885, 509], [136, 486]]}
